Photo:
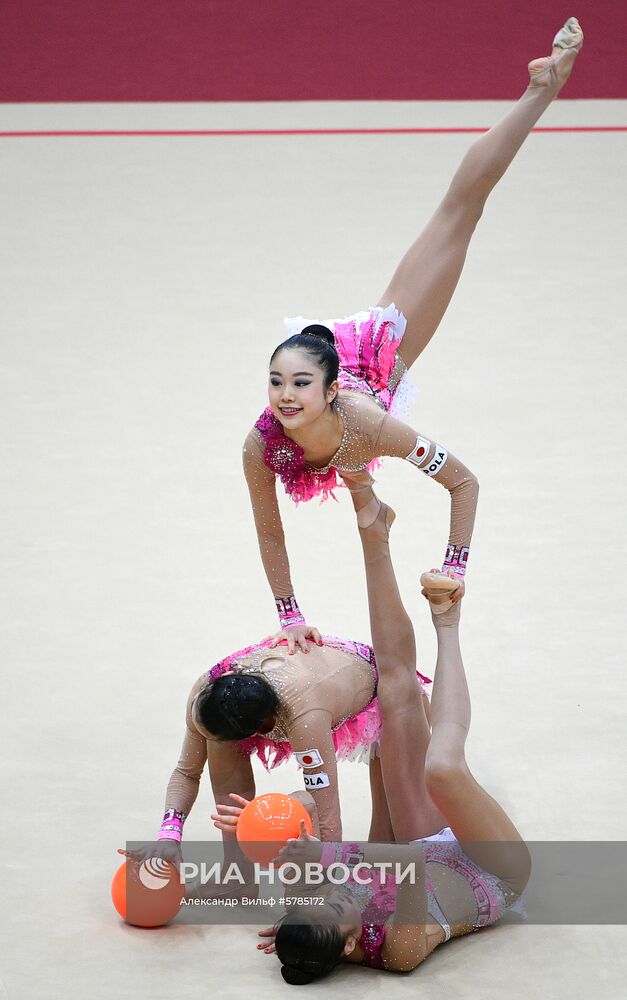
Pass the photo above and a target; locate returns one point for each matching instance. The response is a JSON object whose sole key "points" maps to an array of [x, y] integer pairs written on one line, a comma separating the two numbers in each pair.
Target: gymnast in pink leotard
{"points": [[321, 708], [335, 389]]}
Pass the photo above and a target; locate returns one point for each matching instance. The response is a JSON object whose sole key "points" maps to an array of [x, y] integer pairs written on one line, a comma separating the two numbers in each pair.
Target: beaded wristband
{"points": [[172, 825], [289, 612], [456, 559]]}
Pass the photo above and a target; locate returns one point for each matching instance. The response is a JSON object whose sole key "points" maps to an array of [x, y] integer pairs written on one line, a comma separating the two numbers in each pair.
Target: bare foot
{"points": [[553, 71]]}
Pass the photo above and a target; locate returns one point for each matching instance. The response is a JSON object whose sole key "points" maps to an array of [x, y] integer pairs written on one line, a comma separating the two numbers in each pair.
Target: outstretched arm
{"points": [[311, 740], [401, 441], [182, 789], [183, 784], [312, 732], [262, 488]]}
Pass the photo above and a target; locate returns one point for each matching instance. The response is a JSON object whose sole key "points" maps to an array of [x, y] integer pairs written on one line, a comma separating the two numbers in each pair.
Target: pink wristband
{"points": [[456, 559], [289, 613], [172, 825]]}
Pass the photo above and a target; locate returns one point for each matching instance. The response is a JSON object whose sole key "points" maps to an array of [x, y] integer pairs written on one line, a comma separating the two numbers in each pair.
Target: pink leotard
{"points": [[371, 379], [352, 737], [327, 702], [492, 897]]}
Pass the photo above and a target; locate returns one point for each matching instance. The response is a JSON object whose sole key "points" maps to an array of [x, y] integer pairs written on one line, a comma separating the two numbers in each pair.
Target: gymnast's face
{"points": [[296, 389], [340, 907]]}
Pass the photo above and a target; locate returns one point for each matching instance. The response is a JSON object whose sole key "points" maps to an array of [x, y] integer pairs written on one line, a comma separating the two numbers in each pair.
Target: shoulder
{"points": [[404, 947], [358, 401], [198, 685], [266, 426], [196, 689], [360, 410], [253, 451], [379, 948], [253, 442]]}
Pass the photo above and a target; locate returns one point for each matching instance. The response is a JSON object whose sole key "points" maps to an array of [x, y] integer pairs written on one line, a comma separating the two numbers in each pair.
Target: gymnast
{"points": [[320, 708], [333, 393], [471, 861]]}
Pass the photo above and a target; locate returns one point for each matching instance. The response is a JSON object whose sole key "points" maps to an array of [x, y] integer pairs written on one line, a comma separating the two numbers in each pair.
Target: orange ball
{"points": [[267, 823], [147, 893]]}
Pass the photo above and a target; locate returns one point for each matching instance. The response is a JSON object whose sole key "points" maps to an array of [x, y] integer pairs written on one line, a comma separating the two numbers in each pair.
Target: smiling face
{"points": [[296, 389]]}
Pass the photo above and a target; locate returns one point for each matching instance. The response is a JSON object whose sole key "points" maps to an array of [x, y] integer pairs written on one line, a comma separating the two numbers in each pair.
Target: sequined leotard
{"points": [[491, 897], [327, 702], [370, 431]]}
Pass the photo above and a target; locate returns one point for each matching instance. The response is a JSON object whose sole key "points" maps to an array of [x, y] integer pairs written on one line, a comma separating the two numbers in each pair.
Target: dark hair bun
{"points": [[235, 706], [295, 977], [320, 331]]}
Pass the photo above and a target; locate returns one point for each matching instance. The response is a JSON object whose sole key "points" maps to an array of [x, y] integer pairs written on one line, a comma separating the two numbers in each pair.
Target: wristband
{"points": [[456, 559], [288, 611], [172, 825]]}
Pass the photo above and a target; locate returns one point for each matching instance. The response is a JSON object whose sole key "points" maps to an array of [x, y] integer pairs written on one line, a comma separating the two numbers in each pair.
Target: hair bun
{"points": [[294, 976], [319, 331]]}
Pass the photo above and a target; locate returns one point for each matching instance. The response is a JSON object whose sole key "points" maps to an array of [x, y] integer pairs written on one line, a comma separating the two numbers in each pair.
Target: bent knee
{"points": [[400, 690], [445, 777], [520, 871]]}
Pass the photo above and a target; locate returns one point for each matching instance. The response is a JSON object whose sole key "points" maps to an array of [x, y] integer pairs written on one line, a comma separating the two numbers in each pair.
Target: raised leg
{"points": [[425, 280], [476, 819], [381, 831], [405, 733]]}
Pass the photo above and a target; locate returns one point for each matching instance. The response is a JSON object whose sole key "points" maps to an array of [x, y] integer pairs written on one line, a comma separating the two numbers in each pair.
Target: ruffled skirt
{"points": [[367, 344]]}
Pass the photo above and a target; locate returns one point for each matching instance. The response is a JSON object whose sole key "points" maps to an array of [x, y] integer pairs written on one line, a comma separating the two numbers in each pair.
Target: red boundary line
{"points": [[294, 131]]}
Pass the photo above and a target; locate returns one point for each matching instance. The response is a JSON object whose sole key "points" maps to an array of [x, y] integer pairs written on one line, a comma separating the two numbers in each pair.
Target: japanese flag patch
{"points": [[309, 758], [420, 453]]}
